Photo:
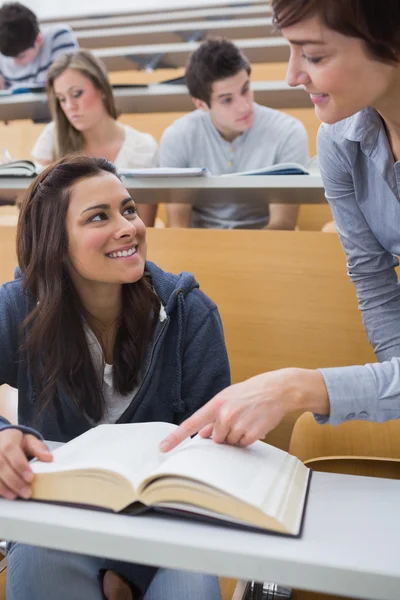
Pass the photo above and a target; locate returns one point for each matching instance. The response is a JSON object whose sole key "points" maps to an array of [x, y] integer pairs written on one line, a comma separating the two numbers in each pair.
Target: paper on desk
{"points": [[165, 172]]}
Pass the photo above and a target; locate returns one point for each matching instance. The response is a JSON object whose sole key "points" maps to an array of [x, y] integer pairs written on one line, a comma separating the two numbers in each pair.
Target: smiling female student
{"points": [[91, 333], [346, 53], [84, 116]]}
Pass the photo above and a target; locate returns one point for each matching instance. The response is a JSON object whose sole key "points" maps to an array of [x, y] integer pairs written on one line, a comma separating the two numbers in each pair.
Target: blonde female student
{"points": [[84, 117], [346, 53], [91, 333]]}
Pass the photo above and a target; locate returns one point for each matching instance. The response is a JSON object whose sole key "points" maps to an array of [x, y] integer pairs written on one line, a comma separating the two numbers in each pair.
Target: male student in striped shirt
{"points": [[26, 52]]}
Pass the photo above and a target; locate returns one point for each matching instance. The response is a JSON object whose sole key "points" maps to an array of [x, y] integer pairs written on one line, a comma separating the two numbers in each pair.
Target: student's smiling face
{"points": [[231, 105], [106, 238], [341, 77]]}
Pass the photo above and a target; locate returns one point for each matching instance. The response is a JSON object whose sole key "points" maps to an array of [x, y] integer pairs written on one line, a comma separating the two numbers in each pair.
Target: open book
{"points": [[115, 466], [278, 169], [18, 168]]}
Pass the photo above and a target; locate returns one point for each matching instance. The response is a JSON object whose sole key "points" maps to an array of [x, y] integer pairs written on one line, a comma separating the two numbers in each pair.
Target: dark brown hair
{"points": [[56, 345], [214, 59], [19, 28], [375, 22]]}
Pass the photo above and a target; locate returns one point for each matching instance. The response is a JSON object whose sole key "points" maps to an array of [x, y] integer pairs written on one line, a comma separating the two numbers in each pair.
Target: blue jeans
{"points": [[42, 574]]}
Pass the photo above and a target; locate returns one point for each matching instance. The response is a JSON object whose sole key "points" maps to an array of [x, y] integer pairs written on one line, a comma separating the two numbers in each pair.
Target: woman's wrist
{"points": [[307, 391]]}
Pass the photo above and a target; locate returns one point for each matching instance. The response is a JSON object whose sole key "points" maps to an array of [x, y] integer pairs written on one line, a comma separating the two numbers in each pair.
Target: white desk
{"points": [[196, 14], [288, 189], [350, 542], [175, 32], [159, 56], [153, 98]]}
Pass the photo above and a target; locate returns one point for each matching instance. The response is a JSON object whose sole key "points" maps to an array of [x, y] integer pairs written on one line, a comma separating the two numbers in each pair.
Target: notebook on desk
{"points": [[19, 168], [120, 468], [278, 169], [24, 89]]}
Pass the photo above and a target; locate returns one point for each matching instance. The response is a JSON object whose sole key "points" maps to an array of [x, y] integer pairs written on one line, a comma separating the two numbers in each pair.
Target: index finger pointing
{"points": [[202, 417]]}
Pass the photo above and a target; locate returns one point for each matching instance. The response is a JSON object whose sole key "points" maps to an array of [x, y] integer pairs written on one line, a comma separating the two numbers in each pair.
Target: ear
{"points": [[200, 104], [39, 39]]}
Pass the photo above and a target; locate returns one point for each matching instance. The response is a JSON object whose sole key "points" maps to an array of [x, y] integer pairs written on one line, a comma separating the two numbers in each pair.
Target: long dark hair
{"points": [[375, 22], [55, 341]]}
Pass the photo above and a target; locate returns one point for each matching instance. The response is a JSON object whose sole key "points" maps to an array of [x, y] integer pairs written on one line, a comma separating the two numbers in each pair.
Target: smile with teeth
{"points": [[123, 253]]}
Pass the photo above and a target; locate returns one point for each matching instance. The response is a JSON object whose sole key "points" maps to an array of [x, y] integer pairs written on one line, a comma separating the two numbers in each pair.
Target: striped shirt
{"points": [[56, 41], [362, 184]]}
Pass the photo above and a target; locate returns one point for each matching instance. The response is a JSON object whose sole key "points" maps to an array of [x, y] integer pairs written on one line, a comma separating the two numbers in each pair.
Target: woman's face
{"points": [[106, 238], [336, 70], [81, 102]]}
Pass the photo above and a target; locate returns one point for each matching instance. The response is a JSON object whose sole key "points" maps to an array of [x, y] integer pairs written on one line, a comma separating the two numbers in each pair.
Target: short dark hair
{"points": [[375, 22], [214, 59], [19, 28]]}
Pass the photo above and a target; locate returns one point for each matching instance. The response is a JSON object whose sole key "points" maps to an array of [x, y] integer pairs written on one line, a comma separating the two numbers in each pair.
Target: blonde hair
{"points": [[67, 138]]}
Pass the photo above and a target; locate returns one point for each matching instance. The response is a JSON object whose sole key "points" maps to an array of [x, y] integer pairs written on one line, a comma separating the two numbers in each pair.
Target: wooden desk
{"points": [[290, 189], [175, 32], [349, 545], [159, 56], [177, 16]]}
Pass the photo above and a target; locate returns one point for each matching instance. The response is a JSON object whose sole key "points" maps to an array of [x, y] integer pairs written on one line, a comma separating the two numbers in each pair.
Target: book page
{"points": [[249, 474], [131, 449]]}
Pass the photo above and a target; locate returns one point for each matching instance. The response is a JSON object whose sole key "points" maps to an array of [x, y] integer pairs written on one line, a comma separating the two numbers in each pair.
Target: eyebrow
{"points": [[106, 206], [305, 42], [230, 93]]}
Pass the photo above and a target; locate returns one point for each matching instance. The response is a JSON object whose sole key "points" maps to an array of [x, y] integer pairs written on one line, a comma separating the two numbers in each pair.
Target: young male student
{"points": [[230, 133], [26, 52]]}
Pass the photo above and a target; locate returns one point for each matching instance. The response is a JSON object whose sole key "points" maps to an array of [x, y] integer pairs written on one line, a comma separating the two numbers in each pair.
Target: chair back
{"points": [[355, 448]]}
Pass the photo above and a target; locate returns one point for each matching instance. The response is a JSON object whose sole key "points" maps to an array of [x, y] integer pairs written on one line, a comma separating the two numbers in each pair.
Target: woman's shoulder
{"points": [[13, 298], [43, 148], [138, 150], [169, 285], [135, 138]]}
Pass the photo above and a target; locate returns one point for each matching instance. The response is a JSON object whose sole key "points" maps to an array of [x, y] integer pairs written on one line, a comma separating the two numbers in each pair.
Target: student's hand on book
{"points": [[115, 588], [248, 411], [2, 83], [15, 473]]}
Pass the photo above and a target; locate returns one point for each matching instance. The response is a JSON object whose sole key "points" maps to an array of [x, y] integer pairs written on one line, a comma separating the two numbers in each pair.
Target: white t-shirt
{"points": [[138, 150], [116, 404]]}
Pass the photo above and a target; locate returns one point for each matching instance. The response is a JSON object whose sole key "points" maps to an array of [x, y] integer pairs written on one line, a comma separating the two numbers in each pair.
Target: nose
{"points": [[296, 75], [125, 227], [70, 103]]}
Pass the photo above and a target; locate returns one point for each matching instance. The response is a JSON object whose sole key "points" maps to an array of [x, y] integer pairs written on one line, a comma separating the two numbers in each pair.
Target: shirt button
{"points": [[363, 415], [232, 149], [230, 163], [350, 416]]}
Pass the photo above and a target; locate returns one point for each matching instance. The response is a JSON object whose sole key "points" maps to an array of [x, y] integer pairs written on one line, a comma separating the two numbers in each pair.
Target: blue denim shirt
{"points": [[362, 184]]}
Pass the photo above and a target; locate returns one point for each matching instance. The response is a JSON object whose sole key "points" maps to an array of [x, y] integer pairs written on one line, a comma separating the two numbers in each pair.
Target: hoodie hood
{"points": [[169, 287]]}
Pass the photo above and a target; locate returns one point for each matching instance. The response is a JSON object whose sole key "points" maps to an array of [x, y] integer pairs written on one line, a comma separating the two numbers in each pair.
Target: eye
{"points": [[77, 94], [245, 91], [227, 101], [61, 100], [130, 210], [313, 59], [97, 217]]}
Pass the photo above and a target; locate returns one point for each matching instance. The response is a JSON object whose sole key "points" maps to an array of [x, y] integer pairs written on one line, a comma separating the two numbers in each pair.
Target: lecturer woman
{"points": [[346, 53]]}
